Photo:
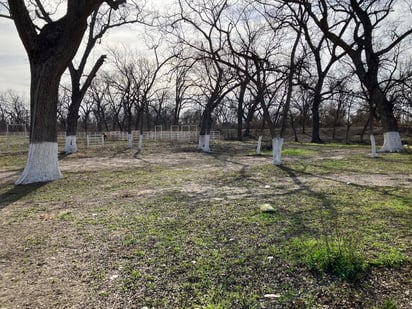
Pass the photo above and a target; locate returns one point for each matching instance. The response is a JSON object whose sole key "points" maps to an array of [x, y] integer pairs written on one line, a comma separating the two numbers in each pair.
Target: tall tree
{"points": [[50, 46], [100, 22], [97, 92], [197, 25], [323, 63], [181, 88], [358, 27]]}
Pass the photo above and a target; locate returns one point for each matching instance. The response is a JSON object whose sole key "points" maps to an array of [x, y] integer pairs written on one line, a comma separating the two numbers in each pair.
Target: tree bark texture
{"points": [[366, 59], [50, 52]]}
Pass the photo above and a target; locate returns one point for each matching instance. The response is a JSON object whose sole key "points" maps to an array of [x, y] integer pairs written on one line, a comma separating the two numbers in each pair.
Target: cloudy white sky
{"points": [[14, 64]]}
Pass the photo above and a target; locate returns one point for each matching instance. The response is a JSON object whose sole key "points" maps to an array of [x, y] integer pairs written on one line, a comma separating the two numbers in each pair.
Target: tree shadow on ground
{"points": [[325, 207], [18, 192]]}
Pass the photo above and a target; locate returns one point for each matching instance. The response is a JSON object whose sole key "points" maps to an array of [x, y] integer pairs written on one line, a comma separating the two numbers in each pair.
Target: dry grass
{"points": [[175, 228]]}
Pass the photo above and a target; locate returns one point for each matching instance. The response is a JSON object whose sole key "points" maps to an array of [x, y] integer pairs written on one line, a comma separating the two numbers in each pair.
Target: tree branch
{"points": [[24, 24], [394, 43]]}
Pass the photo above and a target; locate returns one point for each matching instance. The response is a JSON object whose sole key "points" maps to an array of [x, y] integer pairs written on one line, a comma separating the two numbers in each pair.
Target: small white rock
{"points": [[271, 295]]}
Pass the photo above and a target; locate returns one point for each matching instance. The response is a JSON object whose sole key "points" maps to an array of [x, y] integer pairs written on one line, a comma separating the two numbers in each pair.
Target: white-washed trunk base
{"points": [[277, 144], [391, 142], [140, 143], [201, 142], [70, 146], [204, 143], [42, 164], [259, 146], [130, 140], [373, 146]]}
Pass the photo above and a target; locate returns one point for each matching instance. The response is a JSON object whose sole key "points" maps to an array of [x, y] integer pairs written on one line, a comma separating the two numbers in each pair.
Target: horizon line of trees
{"points": [[230, 64], [102, 110]]}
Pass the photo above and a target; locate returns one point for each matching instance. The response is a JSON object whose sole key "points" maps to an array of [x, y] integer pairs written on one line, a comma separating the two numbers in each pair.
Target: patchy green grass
{"points": [[192, 234], [340, 257]]}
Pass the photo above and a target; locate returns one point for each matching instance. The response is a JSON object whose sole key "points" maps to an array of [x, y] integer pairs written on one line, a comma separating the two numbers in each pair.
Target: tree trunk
{"points": [[316, 119], [204, 142], [72, 118], [176, 111], [42, 160], [277, 144], [373, 146], [139, 146], [292, 68], [140, 125], [336, 117], [249, 118], [205, 126], [391, 137], [129, 127], [259, 145], [292, 122], [129, 139], [240, 110], [361, 138]]}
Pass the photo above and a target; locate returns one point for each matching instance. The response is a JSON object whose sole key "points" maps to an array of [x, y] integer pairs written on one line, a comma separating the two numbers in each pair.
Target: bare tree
{"points": [[50, 46], [13, 108], [182, 85], [97, 92], [197, 25], [126, 87], [133, 82], [358, 27], [101, 21], [325, 55], [111, 99]]}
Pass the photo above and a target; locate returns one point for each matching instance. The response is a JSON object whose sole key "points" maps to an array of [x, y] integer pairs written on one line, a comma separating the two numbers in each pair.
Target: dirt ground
{"points": [[63, 280]]}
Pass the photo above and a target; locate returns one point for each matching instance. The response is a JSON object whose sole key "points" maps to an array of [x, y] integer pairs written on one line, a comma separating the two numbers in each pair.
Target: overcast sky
{"points": [[14, 64]]}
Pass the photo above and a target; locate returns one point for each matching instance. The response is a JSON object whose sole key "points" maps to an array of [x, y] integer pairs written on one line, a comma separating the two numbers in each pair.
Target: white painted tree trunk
{"points": [[259, 146], [201, 142], [373, 146], [140, 143], [391, 142], [204, 143], [130, 140], [42, 164], [70, 145], [277, 144]]}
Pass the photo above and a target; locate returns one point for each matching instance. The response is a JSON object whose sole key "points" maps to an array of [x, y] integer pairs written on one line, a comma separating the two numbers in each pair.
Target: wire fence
{"points": [[96, 139], [19, 141]]}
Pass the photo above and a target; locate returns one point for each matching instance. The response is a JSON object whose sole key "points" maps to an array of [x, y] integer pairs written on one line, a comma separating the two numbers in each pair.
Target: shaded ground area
{"points": [[175, 228]]}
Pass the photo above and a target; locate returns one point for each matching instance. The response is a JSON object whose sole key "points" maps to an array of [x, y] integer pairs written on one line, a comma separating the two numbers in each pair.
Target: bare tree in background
{"points": [[97, 92], [100, 22], [368, 33], [132, 81], [197, 26], [13, 108]]}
